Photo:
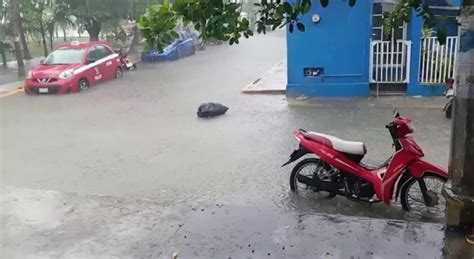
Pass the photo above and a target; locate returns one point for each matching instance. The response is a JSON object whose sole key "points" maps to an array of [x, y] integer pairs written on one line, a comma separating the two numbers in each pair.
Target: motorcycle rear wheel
{"points": [[313, 167], [412, 199], [448, 111]]}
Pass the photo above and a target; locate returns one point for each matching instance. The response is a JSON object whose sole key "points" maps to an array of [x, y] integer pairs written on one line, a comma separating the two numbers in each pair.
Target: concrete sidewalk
{"points": [[50, 224], [272, 82], [5, 88]]}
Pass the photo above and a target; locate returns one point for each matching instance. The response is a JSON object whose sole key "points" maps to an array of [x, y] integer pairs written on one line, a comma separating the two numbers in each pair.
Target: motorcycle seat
{"points": [[349, 147]]}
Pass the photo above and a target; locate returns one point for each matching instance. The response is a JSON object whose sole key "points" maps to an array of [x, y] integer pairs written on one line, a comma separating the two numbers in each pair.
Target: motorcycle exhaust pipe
{"points": [[318, 184]]}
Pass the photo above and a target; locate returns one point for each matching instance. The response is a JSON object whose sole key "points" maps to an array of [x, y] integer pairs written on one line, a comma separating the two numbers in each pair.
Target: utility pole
{"points": [[459, 190], [14, 23]]}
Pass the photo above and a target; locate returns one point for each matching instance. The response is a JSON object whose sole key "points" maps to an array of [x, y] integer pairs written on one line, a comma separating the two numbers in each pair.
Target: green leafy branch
{"points": [[220, 20], [214, 19], [157, 25], [278, 13], [403, 11]]}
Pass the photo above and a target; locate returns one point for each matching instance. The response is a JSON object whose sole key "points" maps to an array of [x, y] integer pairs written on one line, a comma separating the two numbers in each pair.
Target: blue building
{"points": [[344, 52]]}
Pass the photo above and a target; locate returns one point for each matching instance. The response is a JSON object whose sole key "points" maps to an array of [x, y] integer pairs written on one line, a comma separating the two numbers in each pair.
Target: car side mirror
{"points": [[90, 61]]}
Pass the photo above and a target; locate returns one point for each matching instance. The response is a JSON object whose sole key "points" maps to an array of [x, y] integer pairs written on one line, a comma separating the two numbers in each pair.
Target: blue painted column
{"points": [[414, 87]]}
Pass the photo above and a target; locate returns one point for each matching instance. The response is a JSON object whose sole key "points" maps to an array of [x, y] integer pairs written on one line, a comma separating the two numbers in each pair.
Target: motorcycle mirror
{"points": [[396, 113]]}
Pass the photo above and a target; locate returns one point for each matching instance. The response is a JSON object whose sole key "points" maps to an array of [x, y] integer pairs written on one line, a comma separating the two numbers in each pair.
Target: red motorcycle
{"points": [[337, 169], [125, 62]]}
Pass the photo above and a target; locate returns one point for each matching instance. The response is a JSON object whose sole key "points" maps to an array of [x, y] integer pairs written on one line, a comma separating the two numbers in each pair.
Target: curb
{"points": [[11, 88], [344, 103], [13, 92], [269, 92], [248, 89]]}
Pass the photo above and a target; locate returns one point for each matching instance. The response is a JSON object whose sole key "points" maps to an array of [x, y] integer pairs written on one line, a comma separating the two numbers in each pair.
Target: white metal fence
{"points": [[390, 61], [437, 62]]}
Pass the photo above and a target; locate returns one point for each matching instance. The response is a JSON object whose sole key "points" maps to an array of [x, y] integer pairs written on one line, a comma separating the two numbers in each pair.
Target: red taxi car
{"points": [[73, 68]]}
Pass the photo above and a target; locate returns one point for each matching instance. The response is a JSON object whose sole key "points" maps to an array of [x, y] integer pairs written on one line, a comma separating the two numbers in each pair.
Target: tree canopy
{"points": [[92, 14]]}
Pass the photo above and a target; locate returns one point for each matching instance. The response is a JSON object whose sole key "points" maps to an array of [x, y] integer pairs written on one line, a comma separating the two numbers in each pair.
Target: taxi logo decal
{"points": [[97, 76]]}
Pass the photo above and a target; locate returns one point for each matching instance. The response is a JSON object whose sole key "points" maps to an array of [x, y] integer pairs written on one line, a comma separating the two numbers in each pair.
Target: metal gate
{"points": [[390, 61], [437, 62]]}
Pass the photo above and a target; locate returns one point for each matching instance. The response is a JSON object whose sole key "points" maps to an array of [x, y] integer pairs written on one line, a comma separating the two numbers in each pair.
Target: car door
{"points": [[187, 43], [92, 69], [106, 63], [180, 44], [190, 43]]}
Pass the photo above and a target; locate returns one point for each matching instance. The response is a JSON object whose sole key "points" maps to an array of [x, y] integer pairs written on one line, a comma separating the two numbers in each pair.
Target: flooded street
{"points": [[140, 137], [129, 159]]}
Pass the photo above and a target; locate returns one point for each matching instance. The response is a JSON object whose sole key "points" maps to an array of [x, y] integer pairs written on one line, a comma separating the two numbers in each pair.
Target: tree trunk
{"points": [[43, 39], [4, 58], [51, 47], [134, 46], [94, 30], [64, 35], [14, 23], [24, 43], [93, 36], [51, 37]]}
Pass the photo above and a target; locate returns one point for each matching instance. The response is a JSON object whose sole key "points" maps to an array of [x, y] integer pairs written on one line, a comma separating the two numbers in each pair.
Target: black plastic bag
{"points": [[207, 110]]}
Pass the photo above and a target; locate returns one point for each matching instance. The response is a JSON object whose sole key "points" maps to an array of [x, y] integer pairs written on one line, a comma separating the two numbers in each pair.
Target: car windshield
{"points": [[64, 56]]}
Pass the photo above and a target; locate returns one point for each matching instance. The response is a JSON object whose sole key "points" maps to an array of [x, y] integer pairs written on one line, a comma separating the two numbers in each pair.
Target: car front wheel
{"points": [[118, 72], [83, 85]]}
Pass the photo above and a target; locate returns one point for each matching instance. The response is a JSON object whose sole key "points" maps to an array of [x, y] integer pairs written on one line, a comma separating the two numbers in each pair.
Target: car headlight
{"points": [[29, 75], [66, 74]]}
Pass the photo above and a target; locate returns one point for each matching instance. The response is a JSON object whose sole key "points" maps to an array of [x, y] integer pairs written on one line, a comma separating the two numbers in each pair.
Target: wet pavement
{"points": [[49, 224], [139, 137]]}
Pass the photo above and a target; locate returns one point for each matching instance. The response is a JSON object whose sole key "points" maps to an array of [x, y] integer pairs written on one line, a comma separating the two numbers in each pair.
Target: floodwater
{"points": [[140, 137]]}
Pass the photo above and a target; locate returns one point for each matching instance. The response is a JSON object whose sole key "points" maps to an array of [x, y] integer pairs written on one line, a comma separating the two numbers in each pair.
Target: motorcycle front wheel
{"points": [[412, 198]]}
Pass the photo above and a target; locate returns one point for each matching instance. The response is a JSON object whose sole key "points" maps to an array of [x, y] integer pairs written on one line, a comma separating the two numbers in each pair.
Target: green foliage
{"points": [[218, 19], [426, 32], [277, 14], [214, 19], [4, 43], [403, 11], [92, 14], [36, 14], [62, 14], [157, 26]]}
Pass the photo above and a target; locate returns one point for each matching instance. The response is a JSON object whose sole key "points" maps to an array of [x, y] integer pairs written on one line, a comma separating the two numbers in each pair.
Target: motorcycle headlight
{"points": [[66, 74], [29, 75]]}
